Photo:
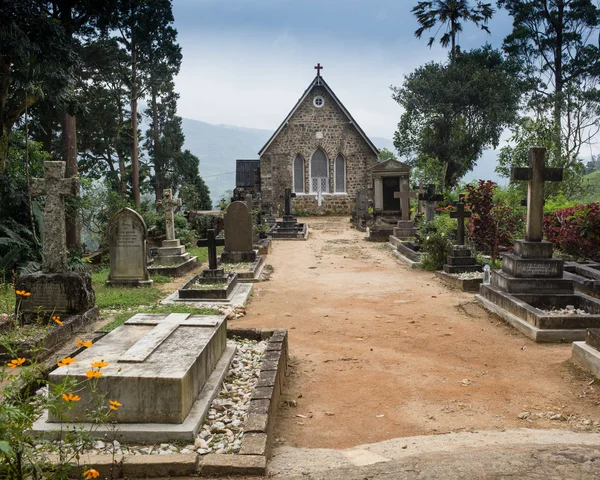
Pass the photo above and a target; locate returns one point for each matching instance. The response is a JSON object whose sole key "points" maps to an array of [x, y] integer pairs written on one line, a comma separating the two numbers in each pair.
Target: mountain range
{"points": [[219, 146]]}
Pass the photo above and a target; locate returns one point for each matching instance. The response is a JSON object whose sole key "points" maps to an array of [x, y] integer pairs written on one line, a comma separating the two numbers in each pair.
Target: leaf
{"points": [[5, 447]]}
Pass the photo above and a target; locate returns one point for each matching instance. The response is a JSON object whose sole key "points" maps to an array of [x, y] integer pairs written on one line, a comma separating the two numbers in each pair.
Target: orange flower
{"points": [[22, 293], [16, 362], [66, 361], [100, 364], [83, 343], [70, 397], [56, 319], [91, 473], [114, 405], [92, 374]]}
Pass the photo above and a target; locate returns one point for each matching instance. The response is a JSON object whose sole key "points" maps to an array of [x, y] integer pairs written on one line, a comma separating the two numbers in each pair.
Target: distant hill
{"points": [[591, 184], [219, 146]]}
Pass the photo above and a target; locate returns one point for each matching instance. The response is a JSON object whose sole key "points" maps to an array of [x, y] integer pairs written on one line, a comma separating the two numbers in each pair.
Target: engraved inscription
{"points": [[536, 269], [46, 297]]}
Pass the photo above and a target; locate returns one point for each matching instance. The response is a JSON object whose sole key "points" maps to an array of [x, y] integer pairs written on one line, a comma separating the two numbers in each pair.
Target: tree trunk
{"points": [[5, 62], [558, 82], [135, 165], [123, 179], [158, 167], [69, 139]]}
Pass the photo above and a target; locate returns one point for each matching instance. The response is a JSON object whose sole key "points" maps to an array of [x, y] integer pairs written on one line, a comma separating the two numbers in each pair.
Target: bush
{"points": [[435, 241], [575, 230]]}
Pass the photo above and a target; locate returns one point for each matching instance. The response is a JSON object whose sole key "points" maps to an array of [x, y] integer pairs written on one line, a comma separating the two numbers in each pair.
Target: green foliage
{"points": [[225, 200], [590, 191], [385, 154], [428, 170], [435, 241], [528, 132], [454, 112]]}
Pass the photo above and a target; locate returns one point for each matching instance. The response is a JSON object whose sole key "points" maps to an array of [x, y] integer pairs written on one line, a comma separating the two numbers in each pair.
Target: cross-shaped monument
{"points": [[460, 214], [430, 198], [536, 174], [405, 195], [318, 68], [212, 242], [288, 202], [55, 187], [168, 203]]}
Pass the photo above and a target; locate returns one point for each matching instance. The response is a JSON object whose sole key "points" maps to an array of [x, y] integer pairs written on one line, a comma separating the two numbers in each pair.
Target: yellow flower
{"points": [[83, 343], [100, 364], [66, 361], [16, 362], [70, 397], [56, 319], [114, 405], [92, 374], [91, 473]]}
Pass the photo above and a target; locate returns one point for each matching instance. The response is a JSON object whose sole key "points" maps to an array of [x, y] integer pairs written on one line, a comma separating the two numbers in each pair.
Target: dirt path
{"points": [[380, 351]]}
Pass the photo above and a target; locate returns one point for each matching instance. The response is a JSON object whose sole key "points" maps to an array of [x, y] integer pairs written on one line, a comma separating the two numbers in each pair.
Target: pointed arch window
{"points": [[340, 174], [298, 173], [319, 172]]}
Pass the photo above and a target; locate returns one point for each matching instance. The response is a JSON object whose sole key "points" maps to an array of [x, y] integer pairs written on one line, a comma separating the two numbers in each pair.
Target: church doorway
{"points": [[390, 186]]}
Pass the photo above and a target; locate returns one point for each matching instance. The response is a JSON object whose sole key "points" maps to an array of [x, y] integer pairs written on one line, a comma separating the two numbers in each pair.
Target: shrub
{"points": [[575, 230], [435, 241]]}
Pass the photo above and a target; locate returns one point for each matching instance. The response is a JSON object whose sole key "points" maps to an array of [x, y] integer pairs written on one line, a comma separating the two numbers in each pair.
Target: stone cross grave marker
{"points": [[127, 248], [405, 195], [55, 187], [211, 242], [536, 174], [288, 202], [460, 214], [430, 198], [168, 203]]}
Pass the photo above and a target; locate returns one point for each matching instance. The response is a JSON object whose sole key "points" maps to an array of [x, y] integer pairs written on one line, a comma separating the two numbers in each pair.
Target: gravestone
{"points": [[430, 198], [158, 365], [127, 249], [238, 234], [460, 259], [405, 228], [172, 258], [289, 228], [531, 282], [54, 290]]}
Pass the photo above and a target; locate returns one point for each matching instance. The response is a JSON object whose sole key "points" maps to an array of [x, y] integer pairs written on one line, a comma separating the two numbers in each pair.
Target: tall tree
{"points": [[453, 112], [554, 43], [451, 13]]}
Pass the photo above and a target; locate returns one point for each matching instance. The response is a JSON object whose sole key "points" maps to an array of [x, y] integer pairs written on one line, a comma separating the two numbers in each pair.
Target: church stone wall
{"points": [[308, 129]]}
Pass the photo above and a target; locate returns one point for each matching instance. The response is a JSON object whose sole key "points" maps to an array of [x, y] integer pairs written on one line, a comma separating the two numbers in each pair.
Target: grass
{"points": [[123, 297], [201, 253], [121, 317]]}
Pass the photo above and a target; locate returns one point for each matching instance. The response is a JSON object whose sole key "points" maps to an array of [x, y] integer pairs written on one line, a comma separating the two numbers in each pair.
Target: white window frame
{"points": [[310, 172], [303, 174], [335, 175]]}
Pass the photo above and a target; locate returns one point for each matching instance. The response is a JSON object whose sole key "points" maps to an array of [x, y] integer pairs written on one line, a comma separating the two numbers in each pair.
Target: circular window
{"points": [[318, 101]]}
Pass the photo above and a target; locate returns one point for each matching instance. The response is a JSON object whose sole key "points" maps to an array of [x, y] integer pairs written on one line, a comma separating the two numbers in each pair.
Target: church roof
{"points": [[319, 82]]}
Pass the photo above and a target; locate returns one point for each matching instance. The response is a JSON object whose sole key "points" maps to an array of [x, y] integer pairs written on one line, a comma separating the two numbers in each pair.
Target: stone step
{"points": [[461, 268], [170, 243], [171, 251], [460, 251], [532, 250], [173, 259], [511, 284], [532, 267], [395, 241], [451, 260]]}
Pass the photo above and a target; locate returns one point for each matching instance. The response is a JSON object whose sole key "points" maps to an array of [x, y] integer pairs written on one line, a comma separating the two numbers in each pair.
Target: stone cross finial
{"points": [[318, 68], [212, 242], [536, 174], [405, 195], [430, 198], [55, 187], [460, 216], [168, 203]]}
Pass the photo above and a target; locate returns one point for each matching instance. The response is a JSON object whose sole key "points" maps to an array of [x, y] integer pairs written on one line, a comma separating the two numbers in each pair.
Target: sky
{"points": [[246, 62]]}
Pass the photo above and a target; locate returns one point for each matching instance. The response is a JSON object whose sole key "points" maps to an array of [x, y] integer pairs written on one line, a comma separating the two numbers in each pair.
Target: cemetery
{"points": [[188, 299]]}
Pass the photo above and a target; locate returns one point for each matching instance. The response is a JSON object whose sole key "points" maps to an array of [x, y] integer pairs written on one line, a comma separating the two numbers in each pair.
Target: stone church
{"points": [[320, 152]]}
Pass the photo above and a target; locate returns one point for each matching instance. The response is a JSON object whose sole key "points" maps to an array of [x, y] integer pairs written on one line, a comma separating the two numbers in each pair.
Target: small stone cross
{"points": [[146, 345], [430, 197], [460, 216], [404, 195], [55, 187], [318, 68], [288, 201], [212, 242], [168, 203], [536, 174]]}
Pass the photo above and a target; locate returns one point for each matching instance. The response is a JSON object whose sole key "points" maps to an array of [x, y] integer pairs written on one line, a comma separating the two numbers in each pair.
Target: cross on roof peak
{"points": [[318, 68]]}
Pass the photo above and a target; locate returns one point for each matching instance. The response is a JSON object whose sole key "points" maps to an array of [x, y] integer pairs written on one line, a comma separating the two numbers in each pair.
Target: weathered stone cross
{"points": [[146, 345], [318, 68], [288, 202], [460, 216], [430, 197], [55, 187], [168, 203], [404, 195], [536, 174], [212, 242]]}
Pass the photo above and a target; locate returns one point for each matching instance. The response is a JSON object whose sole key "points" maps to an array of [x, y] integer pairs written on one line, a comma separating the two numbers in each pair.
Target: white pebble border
{"points": [[222, 431]]}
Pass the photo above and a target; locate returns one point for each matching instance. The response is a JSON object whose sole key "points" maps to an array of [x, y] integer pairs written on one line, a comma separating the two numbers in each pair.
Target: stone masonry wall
{"points": [[299, 137]]}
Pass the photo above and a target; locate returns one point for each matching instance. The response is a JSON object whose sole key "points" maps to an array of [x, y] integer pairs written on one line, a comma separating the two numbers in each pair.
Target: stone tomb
{"points": [[127, 250], [531, 292], [164, 370], [172, 258], [54, 290], [289, 228], [587, 353], [585, 276]]}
